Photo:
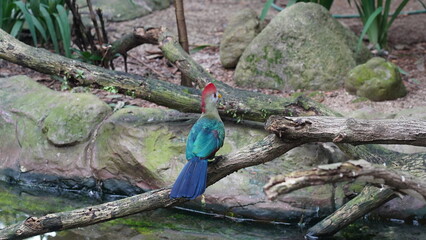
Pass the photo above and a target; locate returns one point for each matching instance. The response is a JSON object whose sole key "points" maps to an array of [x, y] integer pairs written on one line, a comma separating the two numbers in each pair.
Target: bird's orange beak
{"points": [[219, 95]]}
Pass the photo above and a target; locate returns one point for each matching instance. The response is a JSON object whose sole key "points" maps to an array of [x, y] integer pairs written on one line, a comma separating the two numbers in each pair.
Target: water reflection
{"points": [[16, 204]]}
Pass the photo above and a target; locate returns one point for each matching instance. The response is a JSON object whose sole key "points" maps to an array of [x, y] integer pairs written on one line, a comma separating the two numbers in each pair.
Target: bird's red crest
{"points": [[208, 89]]}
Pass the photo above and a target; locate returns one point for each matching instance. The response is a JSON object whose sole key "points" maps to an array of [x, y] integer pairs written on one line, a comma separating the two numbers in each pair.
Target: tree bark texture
{"points": [[263, 151], [351, 170], [354, 131], [369, 199], [239, 104]]}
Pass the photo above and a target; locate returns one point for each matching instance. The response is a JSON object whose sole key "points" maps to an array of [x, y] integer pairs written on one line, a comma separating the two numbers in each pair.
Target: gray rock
{"points": [[42, 130], [240, 31], [119, 10], [142, 147], [302, 48], [377, 80]]}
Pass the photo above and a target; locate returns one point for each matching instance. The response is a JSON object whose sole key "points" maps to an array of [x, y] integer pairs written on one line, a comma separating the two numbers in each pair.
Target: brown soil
{"points": [[206, 21]]}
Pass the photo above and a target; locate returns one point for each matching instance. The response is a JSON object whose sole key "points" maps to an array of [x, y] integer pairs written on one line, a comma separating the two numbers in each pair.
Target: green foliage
{"points": [[46, 20], [376, 17], [86, 56], [265, 9], [200, 47], [111, 89]]}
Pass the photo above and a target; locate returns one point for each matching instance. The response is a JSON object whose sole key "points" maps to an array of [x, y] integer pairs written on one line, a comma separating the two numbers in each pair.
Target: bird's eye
{"points": [[214, 95]]}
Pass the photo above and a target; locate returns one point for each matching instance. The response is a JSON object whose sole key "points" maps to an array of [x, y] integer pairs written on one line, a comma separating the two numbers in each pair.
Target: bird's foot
{"points": [[216, 159]]}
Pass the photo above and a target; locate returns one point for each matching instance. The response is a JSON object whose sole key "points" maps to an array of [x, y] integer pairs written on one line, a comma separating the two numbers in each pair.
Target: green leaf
{"points": [[199, 48], [265, 10], [367, 25], [402, 71], [95, 57], [64, 26], [50, 27], [1, 15], [28, 19], [35, 7], [397, 11], [39, 27], [16, 29], [326, 3]]}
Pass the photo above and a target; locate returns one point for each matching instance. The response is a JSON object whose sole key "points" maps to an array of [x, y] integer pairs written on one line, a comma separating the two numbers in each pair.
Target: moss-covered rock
{"points": [[302, 48], [377, 80], [242, 27], [72, 121], [40, 122], [43, 144]]}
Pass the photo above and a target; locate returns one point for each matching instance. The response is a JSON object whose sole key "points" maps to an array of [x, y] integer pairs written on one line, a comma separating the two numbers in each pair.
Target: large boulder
{"points": [[377, 80], [302, 48], [132, 150], [119, 10], [108, 153], [50, 129], [240, 31]]}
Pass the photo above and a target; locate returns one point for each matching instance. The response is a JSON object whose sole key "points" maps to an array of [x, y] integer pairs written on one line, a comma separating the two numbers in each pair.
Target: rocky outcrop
{"points": [[377, 80], [240, 31], [116, 154], [303, 47]]}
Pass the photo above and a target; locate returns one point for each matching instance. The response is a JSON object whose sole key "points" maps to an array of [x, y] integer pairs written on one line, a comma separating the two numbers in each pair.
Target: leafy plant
{"points": [[376, 17], [265, 9], [111, 89], [86, 56], [46, 20]]}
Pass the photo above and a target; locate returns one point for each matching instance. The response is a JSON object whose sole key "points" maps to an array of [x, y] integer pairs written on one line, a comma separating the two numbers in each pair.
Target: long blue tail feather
{"points": [[191, 182]]}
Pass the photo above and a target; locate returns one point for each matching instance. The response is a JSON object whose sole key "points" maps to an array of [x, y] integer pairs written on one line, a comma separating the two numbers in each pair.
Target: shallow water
{"points": [[17, 204]]}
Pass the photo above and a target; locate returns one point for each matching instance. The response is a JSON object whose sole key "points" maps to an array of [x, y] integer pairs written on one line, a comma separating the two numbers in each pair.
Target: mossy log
{"points": [[239, 104]]}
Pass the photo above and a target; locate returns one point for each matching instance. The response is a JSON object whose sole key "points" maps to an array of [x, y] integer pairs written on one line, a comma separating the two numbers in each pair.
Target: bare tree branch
{"points": [[95, 23], [263, 151], [354, 131], [351, 170], [369, 199]]}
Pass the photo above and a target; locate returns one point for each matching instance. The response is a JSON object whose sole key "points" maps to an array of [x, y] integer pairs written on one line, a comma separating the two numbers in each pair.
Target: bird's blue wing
{"points": [[205, 138]]}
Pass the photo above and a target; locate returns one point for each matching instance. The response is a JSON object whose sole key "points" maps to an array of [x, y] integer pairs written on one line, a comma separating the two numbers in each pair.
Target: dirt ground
{"points": [[206, 21]]}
